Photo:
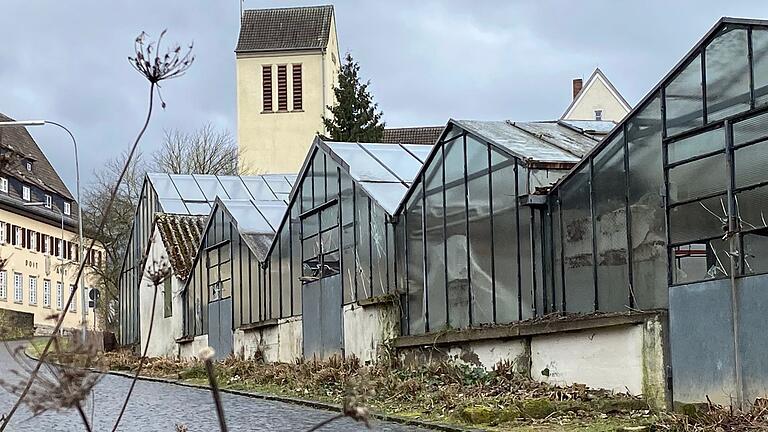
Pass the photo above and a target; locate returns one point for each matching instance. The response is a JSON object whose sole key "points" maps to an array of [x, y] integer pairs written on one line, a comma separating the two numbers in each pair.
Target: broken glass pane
{"points": [[700, 261], [698, 220]]}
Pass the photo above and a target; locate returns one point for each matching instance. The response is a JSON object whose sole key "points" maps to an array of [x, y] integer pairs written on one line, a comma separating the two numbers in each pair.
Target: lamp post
{"points": [[25, 123]]}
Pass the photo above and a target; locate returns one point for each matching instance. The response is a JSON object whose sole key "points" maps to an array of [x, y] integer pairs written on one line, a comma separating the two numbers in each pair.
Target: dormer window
{"points": [[48, 201], [67, 208], [3, 184], [29, 166], [599, 115], [26, 193]]}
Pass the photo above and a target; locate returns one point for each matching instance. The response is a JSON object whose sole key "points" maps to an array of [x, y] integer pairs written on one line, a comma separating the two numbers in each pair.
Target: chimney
{"points": [[577, 83]]}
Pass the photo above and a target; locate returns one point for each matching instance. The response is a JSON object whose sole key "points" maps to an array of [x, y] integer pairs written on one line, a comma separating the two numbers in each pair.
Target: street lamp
{"points": [[25, 123]]}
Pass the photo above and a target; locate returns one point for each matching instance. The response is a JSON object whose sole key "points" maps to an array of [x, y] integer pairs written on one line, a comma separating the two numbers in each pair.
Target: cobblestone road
{"points": [[159, 407]]}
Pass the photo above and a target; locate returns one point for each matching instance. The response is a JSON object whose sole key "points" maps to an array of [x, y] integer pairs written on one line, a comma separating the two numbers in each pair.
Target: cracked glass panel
{"points": [[698, 220], [683, 99], [727, 62], [700, 261]]}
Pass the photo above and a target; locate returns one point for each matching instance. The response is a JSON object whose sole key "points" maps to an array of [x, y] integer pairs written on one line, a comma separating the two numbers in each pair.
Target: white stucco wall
{"points": [[488, 353], [278, 343], [190, 350], [367, 328], [608, 358], [165, 330]]}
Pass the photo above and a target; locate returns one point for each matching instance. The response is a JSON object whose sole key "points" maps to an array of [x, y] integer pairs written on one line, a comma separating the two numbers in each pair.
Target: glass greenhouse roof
{"points": [[533, 141], [255, 217], [194, 194], [384, 171]]}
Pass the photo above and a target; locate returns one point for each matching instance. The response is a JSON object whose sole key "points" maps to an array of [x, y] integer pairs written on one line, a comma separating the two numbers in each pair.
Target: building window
{"points": [[32, 240], [3, 285], [18, 288], [599, 115], [297, 102], [59, 296], [67, 208], [168, 297], [3, 184], [322, 261], [46, 293], [46, 247], [25, 193], [59, 249], [73, 307], [33, 290], [48, 201], [3, 233], [282, 88], [219, 272], [18, 236], [266, 86], [29, 166]]}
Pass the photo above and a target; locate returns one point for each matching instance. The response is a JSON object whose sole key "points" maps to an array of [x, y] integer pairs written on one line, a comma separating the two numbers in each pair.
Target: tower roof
{"points": [[285, 29]]}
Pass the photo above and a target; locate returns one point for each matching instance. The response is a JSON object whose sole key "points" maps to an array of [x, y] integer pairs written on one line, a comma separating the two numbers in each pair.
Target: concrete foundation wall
{"points": [[190, 350], [367, 329], [620, 352], [281, 342]]}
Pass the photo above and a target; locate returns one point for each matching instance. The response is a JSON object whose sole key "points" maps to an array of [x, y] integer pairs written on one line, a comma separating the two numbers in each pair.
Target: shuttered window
{"points": [[297, 102], [282, 88], [266, 83]]}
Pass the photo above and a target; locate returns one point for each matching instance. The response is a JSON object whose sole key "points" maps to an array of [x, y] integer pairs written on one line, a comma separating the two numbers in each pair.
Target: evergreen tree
{"points": [[354, 116]]}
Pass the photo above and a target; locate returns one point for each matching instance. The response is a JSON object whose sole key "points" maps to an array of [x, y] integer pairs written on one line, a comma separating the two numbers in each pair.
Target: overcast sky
{"points": [[427, 60]]}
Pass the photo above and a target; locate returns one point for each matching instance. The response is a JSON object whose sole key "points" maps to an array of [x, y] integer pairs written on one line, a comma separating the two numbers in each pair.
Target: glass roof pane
{"points": [[278, 183], [291, 179], [198, 208], [187, 187], [273, 211], [175, 206], [234, 187], [258, 188], [397, 159], [419, 150], [387, 195], [247, 217], [362, 167], [211, 187], [163, 186]]}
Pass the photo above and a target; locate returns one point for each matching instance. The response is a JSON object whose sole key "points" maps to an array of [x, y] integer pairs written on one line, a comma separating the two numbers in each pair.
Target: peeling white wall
{"points": [[278, 343], [190, 350], [609, 358], [367, 328], [488, 353], [165, 331]]}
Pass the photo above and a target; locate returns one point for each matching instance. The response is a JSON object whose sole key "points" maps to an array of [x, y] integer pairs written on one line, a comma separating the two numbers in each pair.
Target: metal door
{"points": [[322, 319], [220, 335]]}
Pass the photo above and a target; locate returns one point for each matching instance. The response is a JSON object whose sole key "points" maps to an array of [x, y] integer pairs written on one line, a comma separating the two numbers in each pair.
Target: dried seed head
{"points": [[207, 353]]}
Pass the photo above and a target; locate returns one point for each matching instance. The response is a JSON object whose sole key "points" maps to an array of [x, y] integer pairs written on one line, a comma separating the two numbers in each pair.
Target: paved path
{"points": [[159, 407]]}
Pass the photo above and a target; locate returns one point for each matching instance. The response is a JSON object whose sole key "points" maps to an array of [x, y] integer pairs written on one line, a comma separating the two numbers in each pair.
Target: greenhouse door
{"points": [[322, 326], [220, 336]]}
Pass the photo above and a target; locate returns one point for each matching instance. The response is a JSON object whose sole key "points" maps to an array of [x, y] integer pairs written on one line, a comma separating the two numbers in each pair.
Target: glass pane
{"points": [[296, 259], [163, 186], [752, 208], [477, 156], [187, 187], [689, 181], [378, 250], [750, 129], [756, 252], [306, 192], [258, 188], [419, 150], [329, 217], [247, 218], [210, 186], [331, 178], [727, 63], [696, 145], [683, 99], [278, 183], [760, 59], [557, 245], [348, 238], [286, 290], [273, 211], [480, 252], [526, 265], [415, 258], [698, 220], [274, 287], [435, 250], [175, 206], [611, 225], [649, 250], [198, 208], [362, 166], [396, 159], [388, 195], [234, 187], [750, 164], [363, 258], [456, 235], [505, 243], [700, 261], [329, 240], [318, 176], [577, 236]]}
